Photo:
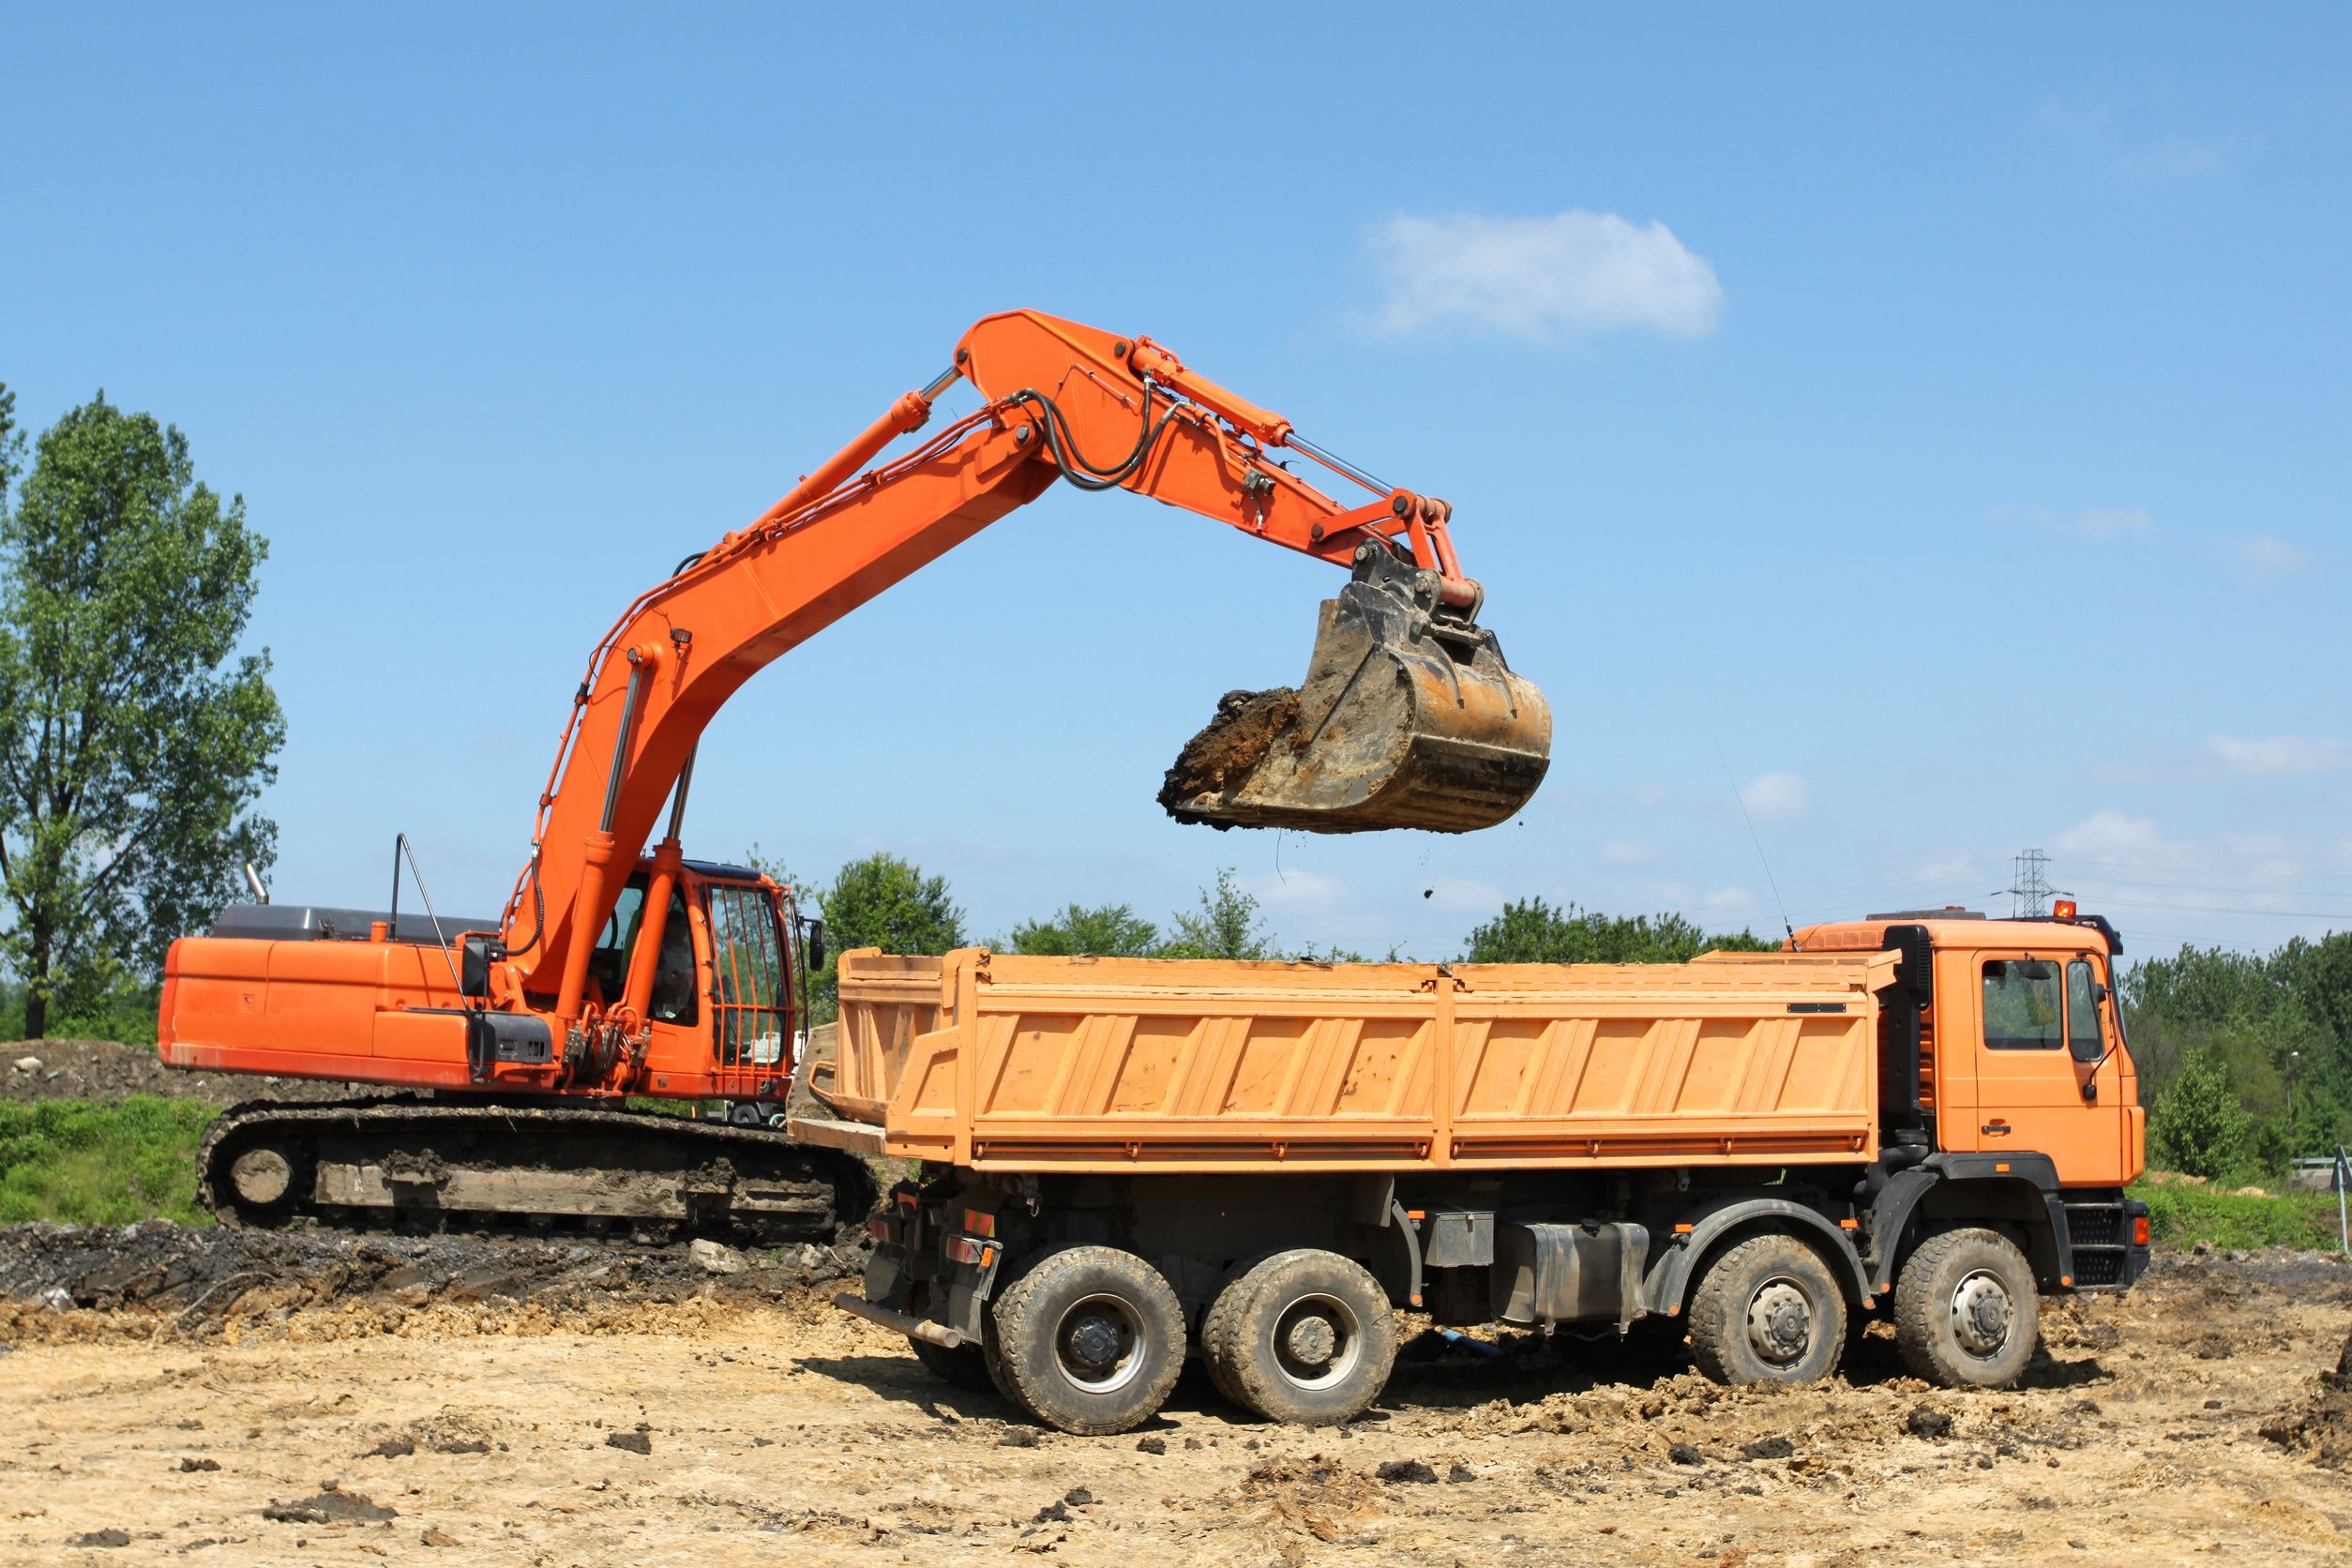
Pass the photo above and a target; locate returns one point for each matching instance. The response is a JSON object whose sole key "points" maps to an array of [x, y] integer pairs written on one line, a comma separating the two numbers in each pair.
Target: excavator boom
{"points": [[1408, 716]]}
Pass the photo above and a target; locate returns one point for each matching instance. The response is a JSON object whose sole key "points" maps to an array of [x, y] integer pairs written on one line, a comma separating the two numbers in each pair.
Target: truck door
{"points": [[2103, 1150], [2035, 1057]]}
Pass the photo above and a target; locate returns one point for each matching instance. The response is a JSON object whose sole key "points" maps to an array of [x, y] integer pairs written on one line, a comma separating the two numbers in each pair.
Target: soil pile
{"points": [[103, 1070], [1220, 757], [2322, 1427], [178, 1280]]}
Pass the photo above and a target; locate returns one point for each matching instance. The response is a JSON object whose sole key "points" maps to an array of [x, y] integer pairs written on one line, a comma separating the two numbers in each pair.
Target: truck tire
{"points": [[1768, 1310], [1304, 1336], [1090, 1340], [1966, 1314], [962, 1367], [992, 1362]]}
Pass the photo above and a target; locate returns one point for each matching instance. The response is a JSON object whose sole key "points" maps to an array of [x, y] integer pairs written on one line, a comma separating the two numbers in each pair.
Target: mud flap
{"points": [[1408, 717]]}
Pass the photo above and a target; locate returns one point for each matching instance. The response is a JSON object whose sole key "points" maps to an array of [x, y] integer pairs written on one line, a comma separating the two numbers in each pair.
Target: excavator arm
{"points": [[1409, 716]]}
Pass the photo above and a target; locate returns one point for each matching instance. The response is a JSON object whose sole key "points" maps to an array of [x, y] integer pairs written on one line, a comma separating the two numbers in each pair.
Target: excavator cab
{"points": [[727, 975], [1407, 717]]}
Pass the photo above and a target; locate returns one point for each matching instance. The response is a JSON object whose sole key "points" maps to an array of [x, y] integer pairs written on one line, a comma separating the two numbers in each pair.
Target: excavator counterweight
{"points": [[1407, 718]]}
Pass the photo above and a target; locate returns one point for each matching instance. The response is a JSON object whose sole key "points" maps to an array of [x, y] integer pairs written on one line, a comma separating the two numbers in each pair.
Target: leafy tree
{"points": [[134, 740], [880, 901], [1534, 932], [2199, 1127], [1105, 930], [1226, 926], [2277, 1025]]}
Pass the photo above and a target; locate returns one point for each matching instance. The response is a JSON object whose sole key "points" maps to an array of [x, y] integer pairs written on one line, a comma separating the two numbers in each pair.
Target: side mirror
{"points": [[814, 939], [2098, 991]]}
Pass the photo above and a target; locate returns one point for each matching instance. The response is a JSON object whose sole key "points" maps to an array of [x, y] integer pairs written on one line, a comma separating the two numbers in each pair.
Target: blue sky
{"points": [[1942, 423]]}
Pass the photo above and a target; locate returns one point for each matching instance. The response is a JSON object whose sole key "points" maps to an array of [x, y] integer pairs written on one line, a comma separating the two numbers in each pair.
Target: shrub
{"points": [[79, 1162]]}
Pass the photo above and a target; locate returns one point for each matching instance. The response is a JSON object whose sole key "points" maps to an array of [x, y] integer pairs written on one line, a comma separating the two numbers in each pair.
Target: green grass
{"points": [[80, 1162], [2181, 1214]]}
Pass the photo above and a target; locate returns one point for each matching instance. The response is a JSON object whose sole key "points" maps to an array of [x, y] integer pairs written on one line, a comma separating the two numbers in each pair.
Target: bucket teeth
{"points": [[1406, 719]]}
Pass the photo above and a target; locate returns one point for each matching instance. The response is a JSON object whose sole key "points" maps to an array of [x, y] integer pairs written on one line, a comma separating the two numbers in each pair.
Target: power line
{"points": [[2029, 888]]}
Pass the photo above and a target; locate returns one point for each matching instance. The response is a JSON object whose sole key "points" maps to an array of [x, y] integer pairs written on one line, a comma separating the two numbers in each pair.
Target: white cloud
{"points": [[1726, 898], [2279, 754], [2108, 835], [1776, 796], [2175, 157], [1624, 852], [2091, 522], [1651, 796], [1296, 890], [2266, 555], [1542, 278]]}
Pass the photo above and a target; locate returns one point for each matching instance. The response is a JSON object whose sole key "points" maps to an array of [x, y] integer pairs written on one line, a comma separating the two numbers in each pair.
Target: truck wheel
{"points": [[962, 1367], [1768, 1310], [1966, 1314], [1090, 1340], [1303, 1336], [992, 1362]]}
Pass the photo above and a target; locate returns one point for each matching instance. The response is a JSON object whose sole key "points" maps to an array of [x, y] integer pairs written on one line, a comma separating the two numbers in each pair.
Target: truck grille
{"points": [[2097, 1267], [2095, 1224]]}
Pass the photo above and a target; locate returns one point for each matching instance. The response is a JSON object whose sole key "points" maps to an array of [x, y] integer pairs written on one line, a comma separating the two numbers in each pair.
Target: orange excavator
{"points": [[615, 973]]}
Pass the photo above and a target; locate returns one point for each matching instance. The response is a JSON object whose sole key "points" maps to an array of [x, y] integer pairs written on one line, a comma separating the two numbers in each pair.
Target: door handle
{"points": [[1996, 1127]]}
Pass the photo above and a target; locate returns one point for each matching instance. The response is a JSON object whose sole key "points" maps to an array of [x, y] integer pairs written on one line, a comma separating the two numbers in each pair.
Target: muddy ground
{"points": [[474, 1401], [103, 1070]]}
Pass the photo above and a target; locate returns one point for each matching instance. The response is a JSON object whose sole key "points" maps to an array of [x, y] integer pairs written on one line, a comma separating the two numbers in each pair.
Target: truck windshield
{"points": [[2021, 1005], [747, 961]]}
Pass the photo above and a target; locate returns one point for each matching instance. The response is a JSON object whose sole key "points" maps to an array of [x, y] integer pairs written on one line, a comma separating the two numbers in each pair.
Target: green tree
{"points": [[881, 902], [2199, 1127], [134, 740], [1226, 926], [1534, 932], [1105, 931]]}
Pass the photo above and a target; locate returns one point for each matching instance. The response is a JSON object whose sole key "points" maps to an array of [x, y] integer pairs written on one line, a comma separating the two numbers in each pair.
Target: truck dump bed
{"points": [[1003, 1063]]}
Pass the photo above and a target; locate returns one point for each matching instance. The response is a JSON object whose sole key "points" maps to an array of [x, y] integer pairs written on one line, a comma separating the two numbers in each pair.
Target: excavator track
{"points": [[531, 1168]]}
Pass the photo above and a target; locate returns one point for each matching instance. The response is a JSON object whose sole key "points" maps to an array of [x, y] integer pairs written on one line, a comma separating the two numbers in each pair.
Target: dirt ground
{"points": [[103, 1070], [418, 1408]]}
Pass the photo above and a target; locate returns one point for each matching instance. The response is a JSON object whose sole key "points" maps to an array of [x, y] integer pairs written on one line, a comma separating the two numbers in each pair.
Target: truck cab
{"points": [[2020, 1042]]}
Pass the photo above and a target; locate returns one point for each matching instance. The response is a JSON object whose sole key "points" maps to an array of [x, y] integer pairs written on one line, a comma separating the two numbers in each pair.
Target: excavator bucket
{"points": [[1407, 717]]}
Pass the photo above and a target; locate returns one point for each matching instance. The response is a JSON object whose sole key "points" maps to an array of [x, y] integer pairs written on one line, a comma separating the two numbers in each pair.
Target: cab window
{"points": [[608, 960], [2083, 1034], [748, 965], [2021, 1005], [672, 1000]]}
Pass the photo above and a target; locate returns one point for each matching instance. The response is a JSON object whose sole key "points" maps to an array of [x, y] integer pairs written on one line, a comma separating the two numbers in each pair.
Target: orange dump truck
{"points": [[1127, 1161]]}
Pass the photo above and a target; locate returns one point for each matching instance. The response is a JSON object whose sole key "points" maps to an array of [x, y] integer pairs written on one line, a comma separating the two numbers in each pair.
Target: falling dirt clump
{"points": [[1220, 757], [2321, 1425]]}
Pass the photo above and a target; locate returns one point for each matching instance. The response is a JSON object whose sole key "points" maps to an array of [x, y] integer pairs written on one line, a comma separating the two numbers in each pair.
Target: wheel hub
{"points": [[1980, 1314], [1311, 1341], [1095, 1341], [1780, 1322]]}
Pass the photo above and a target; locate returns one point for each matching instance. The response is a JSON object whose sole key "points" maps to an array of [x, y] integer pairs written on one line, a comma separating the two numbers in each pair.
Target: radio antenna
{"points": [[1741, 801]]}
